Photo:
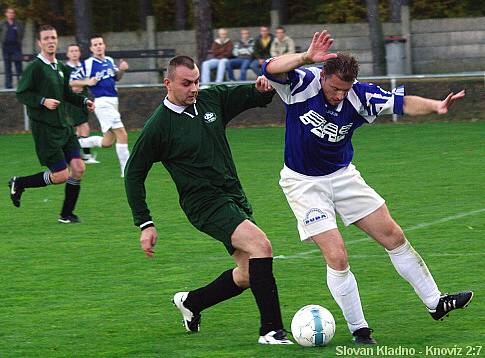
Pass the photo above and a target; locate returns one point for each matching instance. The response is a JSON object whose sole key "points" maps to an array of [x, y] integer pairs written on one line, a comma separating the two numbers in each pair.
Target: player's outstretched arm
{"points": [[416, 106], [318, 51], [148, 240]]}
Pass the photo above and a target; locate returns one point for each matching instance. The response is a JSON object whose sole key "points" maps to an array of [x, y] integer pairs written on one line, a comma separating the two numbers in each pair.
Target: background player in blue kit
{"points": [[103, 68], [323, 109]]}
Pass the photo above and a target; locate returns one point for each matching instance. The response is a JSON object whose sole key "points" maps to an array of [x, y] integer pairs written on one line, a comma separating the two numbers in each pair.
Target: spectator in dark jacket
{"points": [[243, 54], [261, 49], [11, 35], [221, 53]]}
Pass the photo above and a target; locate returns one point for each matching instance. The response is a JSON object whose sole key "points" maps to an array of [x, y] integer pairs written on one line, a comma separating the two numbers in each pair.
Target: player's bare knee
{"points": [[59, 177], [337, 260], [395, 238]]}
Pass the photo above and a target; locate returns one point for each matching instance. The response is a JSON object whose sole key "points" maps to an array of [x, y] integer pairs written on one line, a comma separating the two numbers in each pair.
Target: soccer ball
{"points": [[312, 326]]}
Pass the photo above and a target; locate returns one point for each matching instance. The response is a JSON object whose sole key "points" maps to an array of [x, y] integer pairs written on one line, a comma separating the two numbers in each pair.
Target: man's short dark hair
{"points": [[45, 28], [95, 36], [179, 61], [280, 28], [74, 44], [345, 66]]}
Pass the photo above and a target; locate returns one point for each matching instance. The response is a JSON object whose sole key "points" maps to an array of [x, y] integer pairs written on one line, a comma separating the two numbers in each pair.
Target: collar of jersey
{"points": [[174, 107], [46, 61]]}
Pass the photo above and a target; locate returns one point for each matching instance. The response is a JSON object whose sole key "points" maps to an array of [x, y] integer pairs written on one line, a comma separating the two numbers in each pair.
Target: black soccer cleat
{"points": [[191, 320], [15, 191], [69, 219], [448, 303], [363, 336]]}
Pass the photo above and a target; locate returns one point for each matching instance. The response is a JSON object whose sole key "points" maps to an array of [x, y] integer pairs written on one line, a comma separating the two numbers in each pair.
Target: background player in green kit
{"points": [[79, 116], [43, 88], [186, 133]]}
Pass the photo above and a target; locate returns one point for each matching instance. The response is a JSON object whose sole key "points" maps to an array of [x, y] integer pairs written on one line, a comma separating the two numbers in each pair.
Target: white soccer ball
{"points": [[312, 326]]}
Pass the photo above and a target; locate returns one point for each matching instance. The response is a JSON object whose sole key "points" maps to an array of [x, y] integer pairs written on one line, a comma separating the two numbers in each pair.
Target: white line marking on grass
{"points": [[412, 228]]}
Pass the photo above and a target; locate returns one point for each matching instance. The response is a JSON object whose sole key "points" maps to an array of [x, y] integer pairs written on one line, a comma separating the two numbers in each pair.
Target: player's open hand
{"points": [[148, 240], [90, 105], [123, 65], [319, 48], [51, 103], [443, 106], [263, 85]]}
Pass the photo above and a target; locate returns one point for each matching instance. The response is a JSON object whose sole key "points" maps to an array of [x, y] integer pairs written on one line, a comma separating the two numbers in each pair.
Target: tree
{"points": [[57, 15], [146, 9], [84, 24], [180, 15], [203, 28], [280, 7], [376, 38]]}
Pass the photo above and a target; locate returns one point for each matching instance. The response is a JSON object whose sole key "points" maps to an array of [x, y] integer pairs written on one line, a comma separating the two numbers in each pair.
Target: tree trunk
{"points": [[84, 25], [57, 16], [281, 7], [395, 10], [203, 28], [146, 9], [376, 38], [180, 15]]}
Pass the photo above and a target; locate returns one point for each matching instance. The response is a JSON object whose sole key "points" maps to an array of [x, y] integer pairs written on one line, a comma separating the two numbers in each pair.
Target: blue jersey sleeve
{"points": [[376, 101]]}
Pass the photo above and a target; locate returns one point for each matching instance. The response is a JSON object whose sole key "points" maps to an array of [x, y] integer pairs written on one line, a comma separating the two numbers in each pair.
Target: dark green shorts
{"points": [[77, 115], [54, 145], [224, 221]]}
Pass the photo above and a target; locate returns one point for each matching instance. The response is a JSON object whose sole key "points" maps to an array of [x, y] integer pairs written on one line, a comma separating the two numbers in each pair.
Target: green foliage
{"points": [[88, 291]]}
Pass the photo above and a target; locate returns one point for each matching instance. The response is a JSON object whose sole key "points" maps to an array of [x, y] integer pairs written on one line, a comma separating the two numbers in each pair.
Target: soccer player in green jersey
{"points": [[43, 88], [186, 133]]}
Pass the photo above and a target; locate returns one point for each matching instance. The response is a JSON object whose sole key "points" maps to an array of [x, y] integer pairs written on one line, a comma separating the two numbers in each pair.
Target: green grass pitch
{"points": [[88, 291]]}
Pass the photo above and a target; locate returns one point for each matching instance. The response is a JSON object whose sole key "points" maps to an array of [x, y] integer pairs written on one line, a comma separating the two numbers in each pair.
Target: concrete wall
{"points": [[438, 45]]}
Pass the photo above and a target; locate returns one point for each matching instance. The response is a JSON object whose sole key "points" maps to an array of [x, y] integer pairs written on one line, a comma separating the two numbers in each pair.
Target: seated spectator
{"points": [[221, 52], [243, 54], [261, 52], [282, 44]]}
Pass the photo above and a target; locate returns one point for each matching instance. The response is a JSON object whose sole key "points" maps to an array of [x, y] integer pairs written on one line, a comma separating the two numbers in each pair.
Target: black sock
{"points": [[221, 289], [34, 181], [87, 150], [73, 186], [263, 286]]}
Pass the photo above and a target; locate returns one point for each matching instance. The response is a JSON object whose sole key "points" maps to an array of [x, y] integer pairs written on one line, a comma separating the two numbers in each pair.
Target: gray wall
{"points": [[438, 45]]}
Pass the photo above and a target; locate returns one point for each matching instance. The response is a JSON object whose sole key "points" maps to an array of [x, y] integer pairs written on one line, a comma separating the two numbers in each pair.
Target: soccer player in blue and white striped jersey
{"points": [[103, 69], [323, 109]]}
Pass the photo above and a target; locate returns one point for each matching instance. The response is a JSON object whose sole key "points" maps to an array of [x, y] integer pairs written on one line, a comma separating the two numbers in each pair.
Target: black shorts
{"points": [[55, 146], [223, 222]]}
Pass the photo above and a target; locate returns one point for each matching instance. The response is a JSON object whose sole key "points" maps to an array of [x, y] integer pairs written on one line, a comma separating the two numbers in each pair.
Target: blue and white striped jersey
{"points": [[318, 135], [104, 70]]}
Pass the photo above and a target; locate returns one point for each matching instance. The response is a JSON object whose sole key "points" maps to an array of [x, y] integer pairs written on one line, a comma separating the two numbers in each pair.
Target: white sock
{"points": [[345, 292], [412, 268], [91, 142], [123, 154]]}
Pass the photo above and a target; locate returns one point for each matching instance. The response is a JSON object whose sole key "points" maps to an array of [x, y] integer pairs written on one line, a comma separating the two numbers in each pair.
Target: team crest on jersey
{"points": [[313, 215], [209, 117], [61, 74]]}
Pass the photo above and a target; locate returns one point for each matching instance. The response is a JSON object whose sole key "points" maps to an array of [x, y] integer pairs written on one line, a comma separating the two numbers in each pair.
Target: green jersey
{"points": [[191, 143], [41, 80]]}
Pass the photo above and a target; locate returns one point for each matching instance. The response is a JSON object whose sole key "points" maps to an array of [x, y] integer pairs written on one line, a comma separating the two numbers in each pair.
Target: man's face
{"points": [[334, 89], [244, 35], [222, 33], [10, 14], [48, 41], [280, 34], [264, 31], [73, 53], [98, 47], [183, 88]]}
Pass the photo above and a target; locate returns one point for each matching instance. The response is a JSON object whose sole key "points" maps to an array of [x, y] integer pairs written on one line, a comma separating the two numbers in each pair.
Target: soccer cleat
{"points": [[69, 219], [91, 159], [363, 336], [15, 191], [448, 303], [191, 321], [275, 337]]}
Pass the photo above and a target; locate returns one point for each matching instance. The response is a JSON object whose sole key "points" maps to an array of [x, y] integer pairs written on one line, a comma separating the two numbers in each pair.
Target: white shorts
{"points": [[315, 200], [106, 110]]}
